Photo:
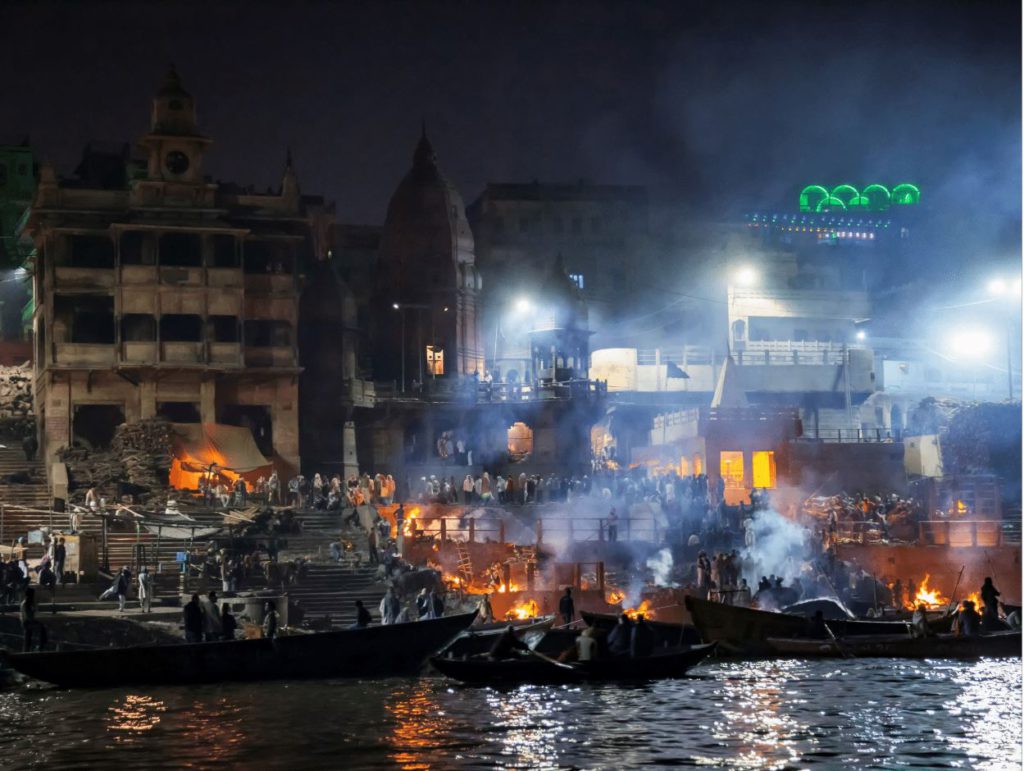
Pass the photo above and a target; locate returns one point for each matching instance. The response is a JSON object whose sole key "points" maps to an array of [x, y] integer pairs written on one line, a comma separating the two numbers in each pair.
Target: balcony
{"points": [[269, 356], [134, 275], [139, 352], [225, 278], [181, 276], [226, 354], [84, 278], [181, 353], [91, 355]]}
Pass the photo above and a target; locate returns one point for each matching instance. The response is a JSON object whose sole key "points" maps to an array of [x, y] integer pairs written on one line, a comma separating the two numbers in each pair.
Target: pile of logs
{"points": [[140, 454], [144, 449], [17, 414]]}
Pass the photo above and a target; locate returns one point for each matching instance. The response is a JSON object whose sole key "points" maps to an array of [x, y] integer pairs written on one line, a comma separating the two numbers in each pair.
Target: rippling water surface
{"points": [[789, 714]]}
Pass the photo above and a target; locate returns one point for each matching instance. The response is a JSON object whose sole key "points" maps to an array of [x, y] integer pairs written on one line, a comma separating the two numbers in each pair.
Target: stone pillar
{"points": [[349, 459], [147, 399], [208, 401]]}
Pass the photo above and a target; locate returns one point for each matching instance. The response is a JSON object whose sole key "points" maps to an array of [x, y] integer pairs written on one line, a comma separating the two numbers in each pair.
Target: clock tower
{"points": [[174, 146]]}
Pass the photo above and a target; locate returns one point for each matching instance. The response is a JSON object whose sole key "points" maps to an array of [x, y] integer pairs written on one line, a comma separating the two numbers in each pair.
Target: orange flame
{"points": [[523, 610], [614, 597], [644, 609], [930, 598]]}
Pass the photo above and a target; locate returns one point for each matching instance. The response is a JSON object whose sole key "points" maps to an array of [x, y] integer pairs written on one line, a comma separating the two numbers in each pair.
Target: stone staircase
{"points": [[332, 590]]}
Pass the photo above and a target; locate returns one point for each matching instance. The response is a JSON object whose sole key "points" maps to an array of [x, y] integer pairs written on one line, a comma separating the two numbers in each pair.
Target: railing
{"points": [[826, 357], [973, 532], [570, 529], [856, 435], [466, 389]]}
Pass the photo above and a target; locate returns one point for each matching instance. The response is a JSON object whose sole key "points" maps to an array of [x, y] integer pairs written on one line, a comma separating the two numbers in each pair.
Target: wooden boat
{"points": [[664, 633], [942, 646], [376, 651], [479, 639], [745, 631], [664, 663]]}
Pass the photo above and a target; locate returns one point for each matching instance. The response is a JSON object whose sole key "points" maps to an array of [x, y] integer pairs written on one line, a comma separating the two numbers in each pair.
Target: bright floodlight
{"points": [[746, 276], [996, 286], [861, 334], [971, 343], [395, 306], [523, 305]]}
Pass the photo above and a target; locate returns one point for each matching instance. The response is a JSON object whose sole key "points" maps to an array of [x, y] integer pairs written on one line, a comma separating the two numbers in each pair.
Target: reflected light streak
{"points": [[419, 724], [531, 725], [990, 703], [134, 714]]}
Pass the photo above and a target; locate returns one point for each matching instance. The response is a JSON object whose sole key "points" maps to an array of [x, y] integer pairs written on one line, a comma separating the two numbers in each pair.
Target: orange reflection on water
{"points": [[219, 724], [134, 714], [418, 724], [532, 728]]}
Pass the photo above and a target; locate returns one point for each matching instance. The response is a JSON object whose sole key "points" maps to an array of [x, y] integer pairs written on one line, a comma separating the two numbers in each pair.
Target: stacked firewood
{"points": [[140, 453], [17, 414], [144, 448]]}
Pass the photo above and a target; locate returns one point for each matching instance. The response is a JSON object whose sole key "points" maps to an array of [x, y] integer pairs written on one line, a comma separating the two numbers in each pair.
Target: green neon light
{"points": [[815, 192], [874, 197], [906, 194]]}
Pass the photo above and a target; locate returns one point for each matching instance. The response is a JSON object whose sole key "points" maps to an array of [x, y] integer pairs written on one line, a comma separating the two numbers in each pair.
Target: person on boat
{"points": [[422, 603], [968, 621], [989, 596], [919, 622], [29, 625], [435, 604], [363, 617], [816, 629], [586, 646], [620, 636], [390, 607], [484, 611], [641, 641], [193, 613], [269, 621], [227, 622], [145, 582], [566, 607], [211, 618], [742, 598], [507, 644]]}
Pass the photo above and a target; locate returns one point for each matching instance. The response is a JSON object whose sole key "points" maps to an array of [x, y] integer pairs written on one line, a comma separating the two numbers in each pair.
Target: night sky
{"points": [[717, 106]]}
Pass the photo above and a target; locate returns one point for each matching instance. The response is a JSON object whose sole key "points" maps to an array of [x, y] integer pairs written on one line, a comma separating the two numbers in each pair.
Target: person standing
{"points": [[193, 614], [566, 607], [29, 625], [211, 618], [990, 600], [269, 621], [613, 526], [124, 583], [145, 582], [484, 611], [228, 624], [60, 555], [390, 608], [371, 546]]}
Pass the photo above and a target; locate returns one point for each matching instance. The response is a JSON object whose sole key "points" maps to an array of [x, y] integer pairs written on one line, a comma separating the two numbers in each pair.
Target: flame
{"points": [[960, 508], [931, 598], [506, 588], [644, 609], [412, 514], [523, 610], [976, 599], [614, 597]]}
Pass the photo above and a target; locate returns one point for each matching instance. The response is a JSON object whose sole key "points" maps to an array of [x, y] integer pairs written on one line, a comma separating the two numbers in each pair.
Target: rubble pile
{"points": [[17, 413], [140, 454]]}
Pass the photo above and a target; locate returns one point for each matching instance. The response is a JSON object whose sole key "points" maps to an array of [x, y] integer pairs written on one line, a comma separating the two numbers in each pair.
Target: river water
{"points": [[783, 714]]}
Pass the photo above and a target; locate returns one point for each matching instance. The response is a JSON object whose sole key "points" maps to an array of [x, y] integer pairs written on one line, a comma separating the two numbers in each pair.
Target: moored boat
{"points": [[479, 639], [664, 663], [994, 645], [376, 651], [664, 633]]}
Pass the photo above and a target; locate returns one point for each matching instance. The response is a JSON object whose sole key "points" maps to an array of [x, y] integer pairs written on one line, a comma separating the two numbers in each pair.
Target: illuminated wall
{"points": [[874, 197]]}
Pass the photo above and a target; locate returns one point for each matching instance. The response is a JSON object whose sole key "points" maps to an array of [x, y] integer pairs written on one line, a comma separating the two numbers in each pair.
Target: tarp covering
{"points": [[199, 445]]}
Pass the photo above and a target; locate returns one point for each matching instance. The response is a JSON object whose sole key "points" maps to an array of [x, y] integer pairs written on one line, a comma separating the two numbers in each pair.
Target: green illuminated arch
{"points": [[906, 194], [831, 203], [848, 194], [812, 196], [876, 197]]}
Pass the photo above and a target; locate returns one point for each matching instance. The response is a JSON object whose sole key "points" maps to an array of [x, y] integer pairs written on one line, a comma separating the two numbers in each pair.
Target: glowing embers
{"points": [[520, 441], [522, 610], [932, 599]]}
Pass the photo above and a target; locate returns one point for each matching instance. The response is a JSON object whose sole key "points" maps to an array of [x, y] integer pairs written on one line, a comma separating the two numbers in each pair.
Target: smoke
{"points": [[660, 566], [777, 546]]}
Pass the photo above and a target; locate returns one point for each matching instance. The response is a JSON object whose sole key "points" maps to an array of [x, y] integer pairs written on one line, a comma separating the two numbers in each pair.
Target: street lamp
{"points": [[523, 305], [861, 334], [971, 343], [745, 276]]}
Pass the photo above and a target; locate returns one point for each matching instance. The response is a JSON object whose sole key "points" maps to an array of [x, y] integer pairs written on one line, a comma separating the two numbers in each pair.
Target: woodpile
{"points": [[17, 413], [140, 454]]}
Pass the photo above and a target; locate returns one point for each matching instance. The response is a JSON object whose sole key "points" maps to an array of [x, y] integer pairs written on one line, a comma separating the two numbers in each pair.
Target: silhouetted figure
{"points": [[566, 607], [193, 613], [506, 644], [641, 642]]}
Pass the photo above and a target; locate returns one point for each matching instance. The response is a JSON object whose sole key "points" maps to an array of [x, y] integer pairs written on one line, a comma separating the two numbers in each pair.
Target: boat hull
{"points": [[660, 665], [997, 645], [376, 651]]}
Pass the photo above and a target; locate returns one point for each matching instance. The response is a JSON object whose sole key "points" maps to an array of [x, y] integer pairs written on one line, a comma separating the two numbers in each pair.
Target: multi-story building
{"points": [[160, 292]]}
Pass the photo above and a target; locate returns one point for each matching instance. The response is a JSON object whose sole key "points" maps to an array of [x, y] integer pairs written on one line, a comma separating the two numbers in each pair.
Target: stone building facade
{"points": [[160, 292]]}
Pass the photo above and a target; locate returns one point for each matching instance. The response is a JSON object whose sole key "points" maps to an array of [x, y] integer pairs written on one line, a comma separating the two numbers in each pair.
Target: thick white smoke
{"points": [[660, 566], [775, 545]]}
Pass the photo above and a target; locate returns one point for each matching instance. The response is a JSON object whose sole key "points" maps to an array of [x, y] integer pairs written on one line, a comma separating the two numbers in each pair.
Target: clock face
{"points": [[176, 162]]}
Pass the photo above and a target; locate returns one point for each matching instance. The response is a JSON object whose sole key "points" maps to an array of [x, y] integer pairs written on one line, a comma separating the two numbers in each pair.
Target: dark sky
{"points": [[716, 105]]}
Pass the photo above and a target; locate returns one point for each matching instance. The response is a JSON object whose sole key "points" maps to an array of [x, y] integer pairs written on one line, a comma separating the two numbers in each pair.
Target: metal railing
{"points": [[973, 532], [572, 529], [856, 435]]}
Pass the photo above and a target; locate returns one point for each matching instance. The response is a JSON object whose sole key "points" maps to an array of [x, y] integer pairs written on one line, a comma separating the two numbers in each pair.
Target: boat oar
{"points": [[952, 599], [550, 660], [839, 647]]}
